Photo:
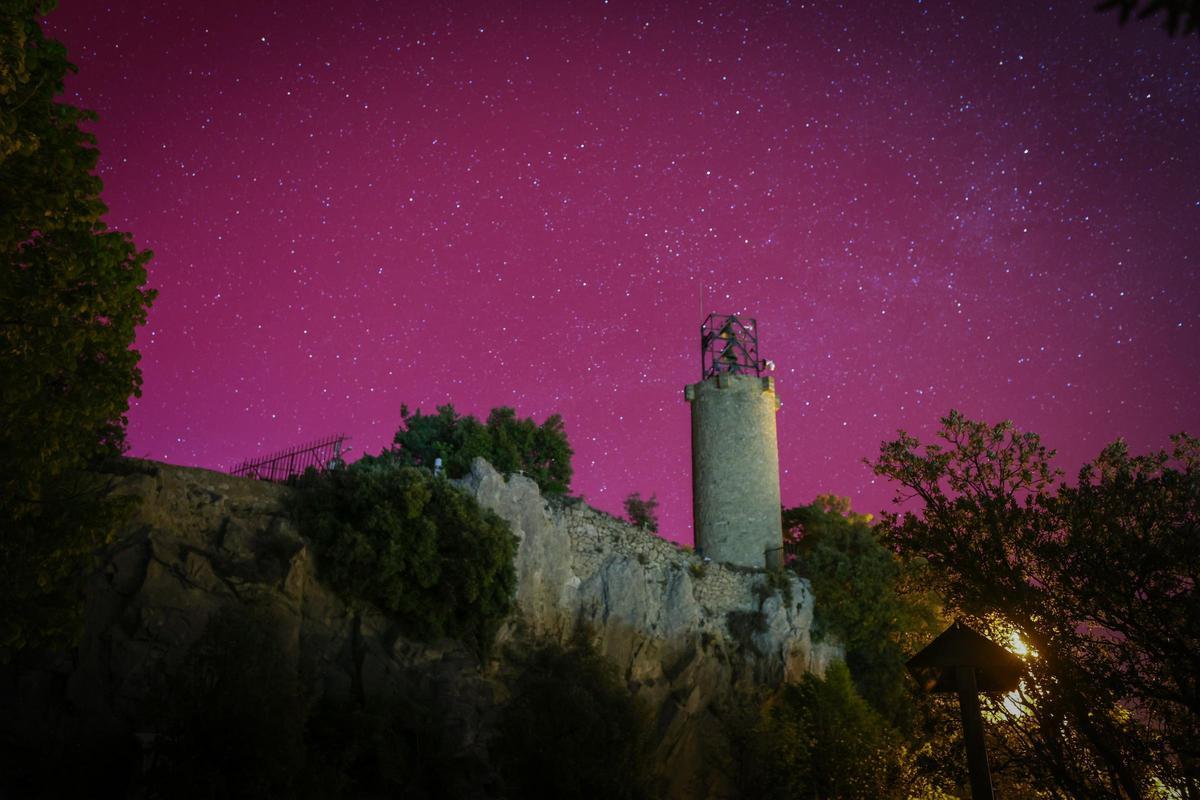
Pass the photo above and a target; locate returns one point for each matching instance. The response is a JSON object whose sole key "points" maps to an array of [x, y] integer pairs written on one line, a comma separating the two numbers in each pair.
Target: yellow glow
{"points": [[1012, 702]]}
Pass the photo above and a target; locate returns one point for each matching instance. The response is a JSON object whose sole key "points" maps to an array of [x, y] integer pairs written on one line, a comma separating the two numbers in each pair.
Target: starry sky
{"points": [[993, 207]]}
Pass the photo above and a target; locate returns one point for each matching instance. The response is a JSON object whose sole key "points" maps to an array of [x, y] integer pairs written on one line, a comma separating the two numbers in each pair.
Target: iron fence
{"points": [[286, 464]]}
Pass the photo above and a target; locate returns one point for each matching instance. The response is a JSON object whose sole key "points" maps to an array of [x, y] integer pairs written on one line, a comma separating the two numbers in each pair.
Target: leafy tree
{"points": [[818, 738], [1098, 579], [71, 298], [875, 604], [571, 728], [1181, 15], [509, 444], [412, 544], [643, 513]]}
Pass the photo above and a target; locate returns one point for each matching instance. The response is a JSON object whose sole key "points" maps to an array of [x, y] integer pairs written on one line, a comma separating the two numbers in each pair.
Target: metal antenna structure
{"points": [[729, 346]]}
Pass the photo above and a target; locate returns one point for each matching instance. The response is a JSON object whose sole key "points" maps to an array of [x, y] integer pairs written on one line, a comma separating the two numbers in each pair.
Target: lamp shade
{"points": [[996, 669]]}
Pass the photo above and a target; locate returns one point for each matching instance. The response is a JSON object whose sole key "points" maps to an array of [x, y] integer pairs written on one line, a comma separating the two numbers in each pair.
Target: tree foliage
{"points": [[412, 544], [571, 728], [1098, 579], [508, 443], [71, 299], [642, 512], [872, 602], [230, 719], [818, 738], [1180, 16]]}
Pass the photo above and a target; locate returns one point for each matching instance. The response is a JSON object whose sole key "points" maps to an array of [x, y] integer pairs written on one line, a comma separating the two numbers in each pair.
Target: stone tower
{"points": [[735, 450]]}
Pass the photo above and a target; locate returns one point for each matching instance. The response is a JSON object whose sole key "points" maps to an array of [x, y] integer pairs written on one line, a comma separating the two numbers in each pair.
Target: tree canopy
{"points": [[871, 601], [571, 728], [1098, 579], [412, 544], [71, 299], [508, 443], [1179, 16], [819, 738]]}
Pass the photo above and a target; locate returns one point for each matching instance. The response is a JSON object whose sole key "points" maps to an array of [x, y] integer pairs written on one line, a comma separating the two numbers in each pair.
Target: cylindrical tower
{"points": [[735, 450]]}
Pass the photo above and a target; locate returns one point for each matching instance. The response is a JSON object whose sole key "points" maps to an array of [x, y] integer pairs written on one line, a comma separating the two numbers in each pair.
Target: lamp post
{"points": [[961, 661]]}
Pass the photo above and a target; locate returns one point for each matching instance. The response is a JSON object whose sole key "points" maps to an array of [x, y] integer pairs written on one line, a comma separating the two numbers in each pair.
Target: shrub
{"points": [[412, 544], [865, 596], [643, 513], [231, 718], [571, 729], [818, 738]]}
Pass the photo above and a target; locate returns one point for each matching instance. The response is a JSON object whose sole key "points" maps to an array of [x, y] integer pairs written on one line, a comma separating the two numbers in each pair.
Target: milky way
{"points": [[993, 207]]}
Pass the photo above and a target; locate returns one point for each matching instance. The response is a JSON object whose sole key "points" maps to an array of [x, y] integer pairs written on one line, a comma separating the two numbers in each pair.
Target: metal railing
{"points": [[291, 462]]}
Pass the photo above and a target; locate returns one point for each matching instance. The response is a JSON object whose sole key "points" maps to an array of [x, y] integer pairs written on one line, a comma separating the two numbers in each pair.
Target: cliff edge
{"points": [[686, 635]]}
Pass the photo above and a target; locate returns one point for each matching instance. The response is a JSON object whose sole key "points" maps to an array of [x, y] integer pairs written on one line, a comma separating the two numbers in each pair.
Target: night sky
{"points": [[988, 206]]}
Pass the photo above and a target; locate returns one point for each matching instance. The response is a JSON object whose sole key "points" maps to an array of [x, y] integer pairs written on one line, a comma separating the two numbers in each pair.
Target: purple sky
{"points": [[986, 206]]}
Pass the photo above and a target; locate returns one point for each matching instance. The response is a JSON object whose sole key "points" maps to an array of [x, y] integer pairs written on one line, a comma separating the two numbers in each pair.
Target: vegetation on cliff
{"points": [[862, 730], [819, 738], [508, 443], [642, 512], [71, 299], [412, 544], [571, 728], [873, 603]]}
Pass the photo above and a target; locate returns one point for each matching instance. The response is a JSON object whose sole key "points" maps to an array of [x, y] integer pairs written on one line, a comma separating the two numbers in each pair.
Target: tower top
{"points": [[729, 346]]}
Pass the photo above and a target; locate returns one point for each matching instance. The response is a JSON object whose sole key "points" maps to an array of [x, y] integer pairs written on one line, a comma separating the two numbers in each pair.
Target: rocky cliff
{"points": [[685, 634]]}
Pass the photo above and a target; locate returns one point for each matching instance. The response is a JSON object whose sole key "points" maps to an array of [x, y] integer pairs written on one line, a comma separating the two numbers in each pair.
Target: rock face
{"points": [[686, 635]]}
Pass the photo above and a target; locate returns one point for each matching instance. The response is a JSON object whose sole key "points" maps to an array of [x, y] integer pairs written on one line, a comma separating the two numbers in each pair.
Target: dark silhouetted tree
{"points": [[1181, 16], [818, 738], [873, 603], [71, 299], [1098, 579], [572, 729]]}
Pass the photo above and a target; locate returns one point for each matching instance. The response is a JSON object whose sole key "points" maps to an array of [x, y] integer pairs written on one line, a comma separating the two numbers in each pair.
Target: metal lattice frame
{"points": [[289, 463], [729, 345]]}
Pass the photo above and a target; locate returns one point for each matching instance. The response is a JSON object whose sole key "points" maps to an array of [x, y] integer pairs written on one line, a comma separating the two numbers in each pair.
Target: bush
{"points": [[231, 718], [641, 512], [867, 598], [412, 544], [572, 729], [819, 739], [509, 444]]}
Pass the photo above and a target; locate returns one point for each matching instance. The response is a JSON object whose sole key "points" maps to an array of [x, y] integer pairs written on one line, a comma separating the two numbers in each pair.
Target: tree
{"points": [[71, 299], [643, 513], [508, 443], [416, 546], [876, 605], [818, 738], [1180, 14], [1098, 579], [571, 728]]}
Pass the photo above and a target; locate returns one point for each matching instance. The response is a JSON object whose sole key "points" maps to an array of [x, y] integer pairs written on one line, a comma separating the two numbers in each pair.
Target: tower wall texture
{"points": [[735, 469]]}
